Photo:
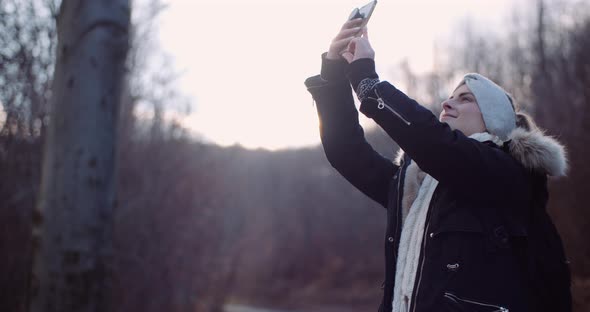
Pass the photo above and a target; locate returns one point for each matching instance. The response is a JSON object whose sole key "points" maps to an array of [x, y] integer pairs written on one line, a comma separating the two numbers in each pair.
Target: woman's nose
{"points": [[445, 105]]}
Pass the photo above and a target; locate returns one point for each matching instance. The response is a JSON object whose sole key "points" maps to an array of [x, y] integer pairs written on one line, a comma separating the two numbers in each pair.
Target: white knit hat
{"points": [[494, 103]]}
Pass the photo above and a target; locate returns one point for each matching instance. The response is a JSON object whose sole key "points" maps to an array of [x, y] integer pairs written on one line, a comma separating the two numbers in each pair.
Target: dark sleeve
{"points": [[344, 142], [333, 70], [445, 154]]}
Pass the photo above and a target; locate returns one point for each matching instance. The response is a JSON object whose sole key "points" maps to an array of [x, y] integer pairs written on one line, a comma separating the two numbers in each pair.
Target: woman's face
{"points": [[461, 112]]}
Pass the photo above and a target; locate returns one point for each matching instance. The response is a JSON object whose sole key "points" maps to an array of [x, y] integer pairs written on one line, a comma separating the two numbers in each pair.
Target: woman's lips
{"points": [[448, 116]]}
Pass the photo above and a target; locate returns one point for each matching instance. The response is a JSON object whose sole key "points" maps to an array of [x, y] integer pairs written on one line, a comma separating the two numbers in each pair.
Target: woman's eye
{"points": [[465, 99]]}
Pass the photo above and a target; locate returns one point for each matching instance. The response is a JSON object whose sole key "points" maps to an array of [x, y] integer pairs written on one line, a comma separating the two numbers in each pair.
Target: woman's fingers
{"points": [[342, 42], [349, 51], [347, 33], [365, 32], [337, 46], [352, 23], [362, 49], [348, 56]]}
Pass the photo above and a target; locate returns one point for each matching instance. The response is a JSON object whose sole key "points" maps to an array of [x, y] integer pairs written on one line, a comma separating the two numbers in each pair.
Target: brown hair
{"points": [[523, 120]]}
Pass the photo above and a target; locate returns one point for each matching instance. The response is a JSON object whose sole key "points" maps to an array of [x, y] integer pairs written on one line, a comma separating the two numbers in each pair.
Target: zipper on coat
{"points": [[396, 234], [415, 293], [424, 241], [399, 203], [458, 299], [381, 105]]}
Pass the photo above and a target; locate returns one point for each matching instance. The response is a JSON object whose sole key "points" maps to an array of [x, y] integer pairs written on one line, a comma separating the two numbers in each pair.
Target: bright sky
{"points": [[244, 61]]}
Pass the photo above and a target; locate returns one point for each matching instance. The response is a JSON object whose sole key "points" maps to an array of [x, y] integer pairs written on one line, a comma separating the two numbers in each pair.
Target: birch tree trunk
{"points": [[72, 245]]}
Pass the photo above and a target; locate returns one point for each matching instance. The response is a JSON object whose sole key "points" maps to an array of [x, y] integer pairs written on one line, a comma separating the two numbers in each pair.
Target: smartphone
{"points": [[363, 12]]}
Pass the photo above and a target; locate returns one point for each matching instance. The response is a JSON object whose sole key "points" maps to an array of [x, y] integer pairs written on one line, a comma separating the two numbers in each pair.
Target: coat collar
{"points": [[533, 149], [537, 151]]}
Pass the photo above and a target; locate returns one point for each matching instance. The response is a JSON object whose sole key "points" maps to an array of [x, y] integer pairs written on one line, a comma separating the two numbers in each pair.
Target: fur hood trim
{"points": [[537, 151]]}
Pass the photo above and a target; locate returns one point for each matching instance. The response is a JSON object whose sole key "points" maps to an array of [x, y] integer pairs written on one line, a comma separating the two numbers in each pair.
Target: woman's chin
{"points": [[448, 121]]}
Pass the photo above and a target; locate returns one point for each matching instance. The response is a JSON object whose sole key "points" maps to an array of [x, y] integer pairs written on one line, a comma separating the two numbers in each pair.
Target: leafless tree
{"points": [[73, 228]]}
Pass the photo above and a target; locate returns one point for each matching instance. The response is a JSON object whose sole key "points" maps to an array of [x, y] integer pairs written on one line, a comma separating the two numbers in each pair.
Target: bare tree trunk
{"points": [[540, 44], [542, 83], [73, 220]]}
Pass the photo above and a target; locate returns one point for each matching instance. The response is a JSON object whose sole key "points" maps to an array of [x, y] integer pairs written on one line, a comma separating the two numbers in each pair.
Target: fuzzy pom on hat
{"points": [[494, 103]]}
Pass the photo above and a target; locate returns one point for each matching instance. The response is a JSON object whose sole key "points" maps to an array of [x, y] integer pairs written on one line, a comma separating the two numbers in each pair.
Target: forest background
{"points": [[199, 227]]}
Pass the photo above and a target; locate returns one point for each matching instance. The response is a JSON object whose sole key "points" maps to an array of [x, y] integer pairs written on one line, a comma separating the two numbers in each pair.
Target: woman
{"points": [[467, 228]]}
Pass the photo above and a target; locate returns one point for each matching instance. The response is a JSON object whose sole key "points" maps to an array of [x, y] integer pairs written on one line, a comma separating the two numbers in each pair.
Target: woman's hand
{"points": [[359, 48], [341, 42]]}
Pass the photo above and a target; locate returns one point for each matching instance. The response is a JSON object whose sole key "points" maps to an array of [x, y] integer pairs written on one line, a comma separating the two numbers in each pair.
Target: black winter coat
{"points": [[476, 249]]}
